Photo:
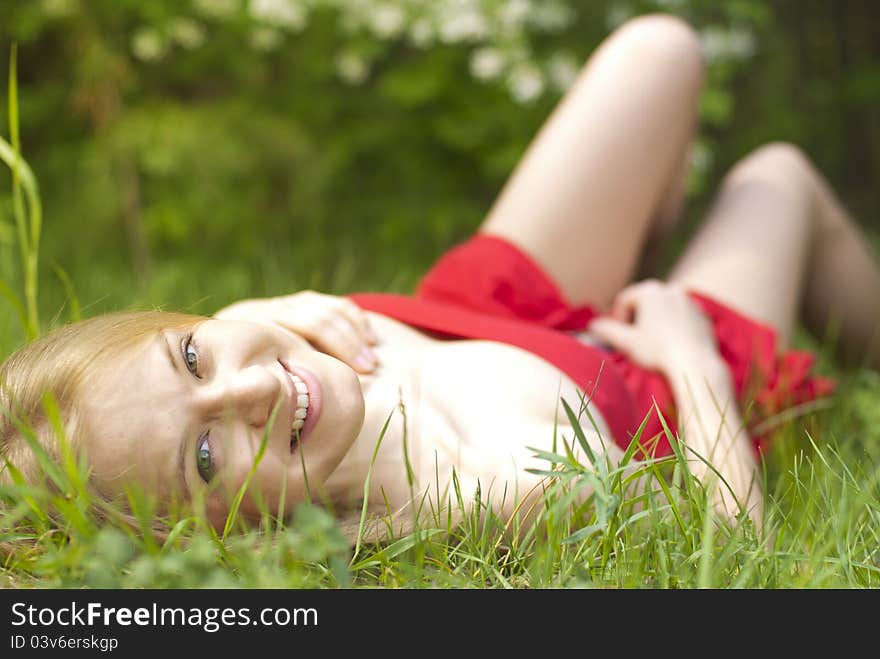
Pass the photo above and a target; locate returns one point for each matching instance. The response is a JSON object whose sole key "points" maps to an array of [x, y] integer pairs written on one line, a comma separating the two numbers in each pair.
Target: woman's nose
{"points": [[250, 393]]}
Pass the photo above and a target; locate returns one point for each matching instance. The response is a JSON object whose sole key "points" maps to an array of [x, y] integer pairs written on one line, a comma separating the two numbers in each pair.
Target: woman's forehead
{"points": [[135, 419], [139, 379], [118, 364]]}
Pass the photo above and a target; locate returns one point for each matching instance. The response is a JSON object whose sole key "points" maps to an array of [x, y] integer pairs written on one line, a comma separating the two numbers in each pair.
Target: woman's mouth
{"points": [[305, 401], [301, 404]]}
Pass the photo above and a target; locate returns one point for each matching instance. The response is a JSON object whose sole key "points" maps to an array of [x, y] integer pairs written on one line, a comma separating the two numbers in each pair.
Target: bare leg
{"points": [[583, 199], [843, 281], [777, 242]]}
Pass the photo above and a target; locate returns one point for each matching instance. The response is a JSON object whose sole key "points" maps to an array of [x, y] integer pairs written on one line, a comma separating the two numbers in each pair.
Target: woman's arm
{"points": [[712, 428], [332, 324], [660, 327]]}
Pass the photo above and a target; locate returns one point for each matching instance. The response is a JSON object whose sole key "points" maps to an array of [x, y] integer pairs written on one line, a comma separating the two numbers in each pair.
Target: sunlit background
{"points": [[193, 152]]}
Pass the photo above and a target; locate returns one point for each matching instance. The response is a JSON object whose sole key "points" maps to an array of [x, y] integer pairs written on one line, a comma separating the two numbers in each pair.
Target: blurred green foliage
{"points": [[191, 153]]}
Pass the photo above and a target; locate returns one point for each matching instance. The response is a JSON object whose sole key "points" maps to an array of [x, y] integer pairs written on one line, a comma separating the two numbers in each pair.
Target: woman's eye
{"points": [[190, 355], [205, 460]]}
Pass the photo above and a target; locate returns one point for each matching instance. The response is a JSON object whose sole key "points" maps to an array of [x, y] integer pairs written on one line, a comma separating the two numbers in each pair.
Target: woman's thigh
{"points": [[582, 200], [752, 251]]}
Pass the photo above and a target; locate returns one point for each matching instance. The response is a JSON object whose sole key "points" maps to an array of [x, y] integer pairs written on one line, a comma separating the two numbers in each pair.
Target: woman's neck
{"points": [[390, 431]]}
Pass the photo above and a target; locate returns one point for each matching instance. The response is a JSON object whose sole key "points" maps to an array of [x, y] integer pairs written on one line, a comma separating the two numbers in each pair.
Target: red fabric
{"points": [[487, 288], [493, 276]]}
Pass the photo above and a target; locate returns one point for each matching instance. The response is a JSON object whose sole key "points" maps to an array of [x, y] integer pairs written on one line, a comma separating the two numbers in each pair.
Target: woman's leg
{"points": [[583, 199], [776, 243]]}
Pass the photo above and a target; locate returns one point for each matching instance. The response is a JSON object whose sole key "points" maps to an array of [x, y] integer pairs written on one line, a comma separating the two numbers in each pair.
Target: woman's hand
{"points": [[332, 324], [658, 326]]}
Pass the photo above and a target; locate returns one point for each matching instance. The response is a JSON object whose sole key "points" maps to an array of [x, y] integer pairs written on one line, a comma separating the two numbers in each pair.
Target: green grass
{"points": [[822, 514], [822, 508]]}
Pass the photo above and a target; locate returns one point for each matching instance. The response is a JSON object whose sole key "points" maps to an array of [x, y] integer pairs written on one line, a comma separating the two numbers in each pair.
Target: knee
{"points": [[666, 39], [780, 162], [784, 155]]}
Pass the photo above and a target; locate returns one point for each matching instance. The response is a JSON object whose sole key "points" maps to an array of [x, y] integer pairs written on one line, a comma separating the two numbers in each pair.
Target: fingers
{"points": [[651, 321], [623, 309], [358, 319], [336, 336], [627, 302], [619, 335], [334, 325], [322, 304], [628, 339]]}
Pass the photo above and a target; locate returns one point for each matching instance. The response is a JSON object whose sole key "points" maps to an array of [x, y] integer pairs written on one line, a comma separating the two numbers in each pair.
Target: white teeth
{"points": [[302, 405]]}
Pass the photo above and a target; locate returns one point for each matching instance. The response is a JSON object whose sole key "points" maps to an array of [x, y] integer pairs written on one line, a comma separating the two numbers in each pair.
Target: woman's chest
{"points": [[477, 382], [486, 385], [475, 407], [478, 407], [465, 417]]}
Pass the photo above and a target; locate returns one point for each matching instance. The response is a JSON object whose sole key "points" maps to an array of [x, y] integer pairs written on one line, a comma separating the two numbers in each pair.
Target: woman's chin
{"points": [[349, 397], [341, 418]]}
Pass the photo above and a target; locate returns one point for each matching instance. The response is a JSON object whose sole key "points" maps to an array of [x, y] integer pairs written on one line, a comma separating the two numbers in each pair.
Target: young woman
{"points": [[468, 374]]}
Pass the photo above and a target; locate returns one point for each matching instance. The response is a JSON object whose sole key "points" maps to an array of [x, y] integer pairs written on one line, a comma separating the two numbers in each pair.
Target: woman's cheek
{"points": [[216, 512]]}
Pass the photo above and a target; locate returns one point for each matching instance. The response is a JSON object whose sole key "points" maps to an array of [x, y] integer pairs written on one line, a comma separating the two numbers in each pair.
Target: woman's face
{"points": [[192, 407]]}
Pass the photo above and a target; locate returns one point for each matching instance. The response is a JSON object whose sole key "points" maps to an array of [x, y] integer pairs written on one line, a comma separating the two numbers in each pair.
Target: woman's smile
{"points": [[305, 397]]}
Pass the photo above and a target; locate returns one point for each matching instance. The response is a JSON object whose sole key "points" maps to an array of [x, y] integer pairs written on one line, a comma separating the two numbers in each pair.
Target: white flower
{"points": [[281, 13], [712, 41], [515, 12], [387, 21], [187, 32], [421, 33], [265, 38], [487, 63], [562, 70], [217, 8], [552, 17], [741, 42], [352, 68], [525, 83], [463, 26], [734, 43], [147, 44]]}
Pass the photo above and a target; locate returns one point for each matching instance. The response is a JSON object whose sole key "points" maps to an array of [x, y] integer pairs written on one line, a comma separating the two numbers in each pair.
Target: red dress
{"points": [[487, 288]]}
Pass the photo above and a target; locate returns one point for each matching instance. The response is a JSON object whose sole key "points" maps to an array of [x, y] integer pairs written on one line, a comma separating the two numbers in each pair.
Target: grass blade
{"points": [[367, 481], [239, 496]]}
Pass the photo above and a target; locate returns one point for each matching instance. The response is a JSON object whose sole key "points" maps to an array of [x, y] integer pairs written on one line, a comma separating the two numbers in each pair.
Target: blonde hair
{"points": [[60, 364]]}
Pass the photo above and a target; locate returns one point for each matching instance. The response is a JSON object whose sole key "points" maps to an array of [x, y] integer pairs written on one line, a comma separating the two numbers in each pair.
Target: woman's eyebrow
{"points": [[169, 352]]}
